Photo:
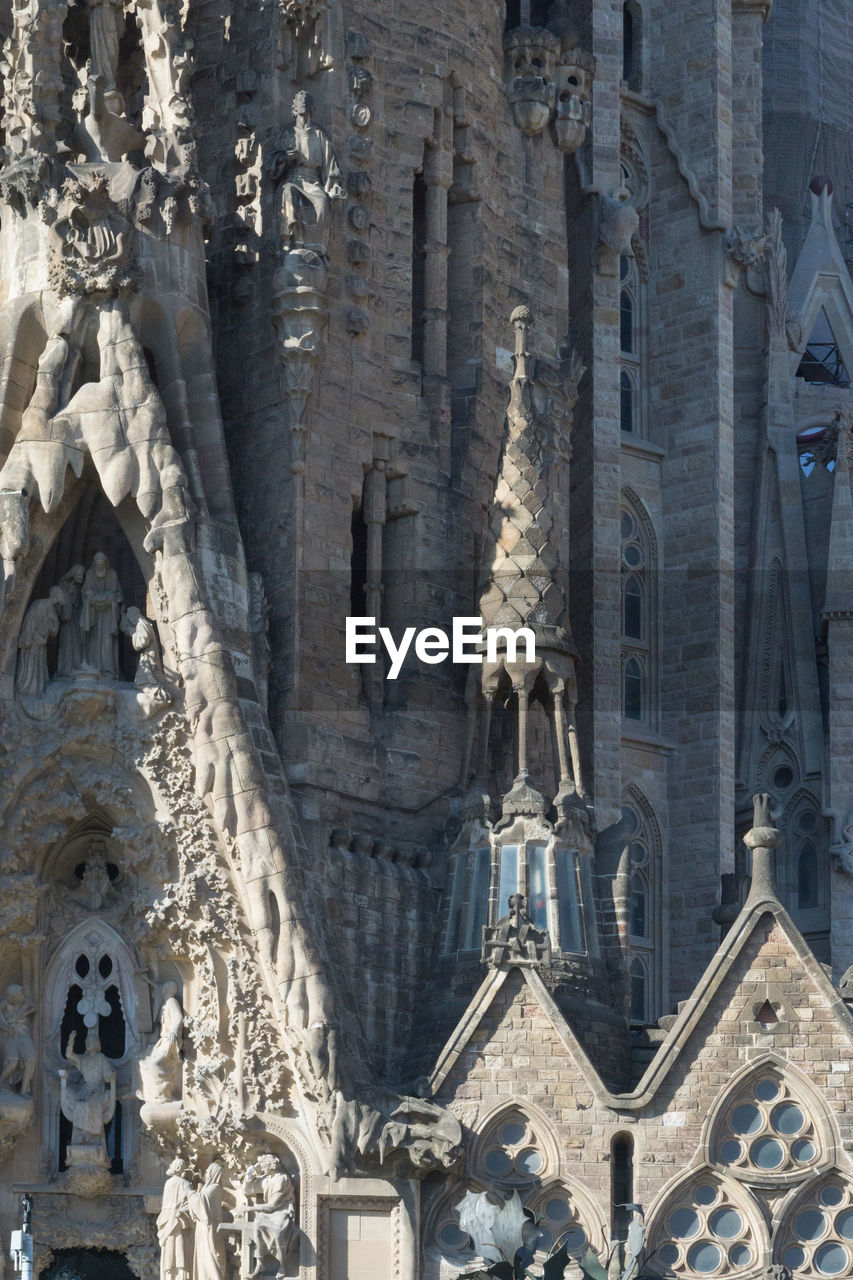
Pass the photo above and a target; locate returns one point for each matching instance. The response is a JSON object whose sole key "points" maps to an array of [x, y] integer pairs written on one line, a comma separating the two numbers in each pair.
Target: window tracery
{"points": [[518, 1153], [816, 1238], [639, 558], [642, 837], [765, 1130], [705, 1231]]}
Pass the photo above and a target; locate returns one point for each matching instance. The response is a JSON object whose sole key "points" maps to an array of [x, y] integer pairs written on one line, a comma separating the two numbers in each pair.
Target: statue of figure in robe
{"points": [[160, 1068], [209, 1261], [100, 616], [70, 656], [311, 179], [270, 1222], [174, 1225], [89, 1102], [143, 637], [106, 27], [41, 622]]}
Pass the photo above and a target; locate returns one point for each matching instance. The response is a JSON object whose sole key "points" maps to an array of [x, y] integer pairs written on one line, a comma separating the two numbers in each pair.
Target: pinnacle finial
{"points": [[762, 839], [521, 318]]}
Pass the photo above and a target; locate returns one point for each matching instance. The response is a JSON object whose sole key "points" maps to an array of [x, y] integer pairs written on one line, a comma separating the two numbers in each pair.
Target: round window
{"points": [[704, 1257], [810, 1224], [832, 1259], [726, 1223], [746, 1119], [684, 1223], [767, 1153]]}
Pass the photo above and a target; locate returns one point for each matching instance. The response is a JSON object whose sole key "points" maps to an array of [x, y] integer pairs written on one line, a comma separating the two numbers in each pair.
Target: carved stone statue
{"points": [[70, 656], [106, 27], [515, 939], [206, 1210], [174, 1225], [311, 179], [88, 1102], [19, 1052], [99, 616], [143, 637], [41, 622], [269, 1227], [160, 1068]]}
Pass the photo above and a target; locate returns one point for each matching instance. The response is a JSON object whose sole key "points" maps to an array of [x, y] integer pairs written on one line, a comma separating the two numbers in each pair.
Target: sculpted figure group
{"points": [[85, 610], [192, 1232]]}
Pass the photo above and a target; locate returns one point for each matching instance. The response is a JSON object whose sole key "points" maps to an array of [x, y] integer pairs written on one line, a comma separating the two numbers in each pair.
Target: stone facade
{"points": [[537, 312]]}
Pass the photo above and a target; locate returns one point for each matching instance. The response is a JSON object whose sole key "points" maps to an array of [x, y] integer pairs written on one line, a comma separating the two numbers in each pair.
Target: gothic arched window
{"points": [[804, 873], [642, 838], [639, 556], [631, 338]]}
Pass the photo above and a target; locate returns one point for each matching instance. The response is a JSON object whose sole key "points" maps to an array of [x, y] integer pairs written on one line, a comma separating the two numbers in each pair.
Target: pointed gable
{"points": [[820, 294], [513, 1029]]}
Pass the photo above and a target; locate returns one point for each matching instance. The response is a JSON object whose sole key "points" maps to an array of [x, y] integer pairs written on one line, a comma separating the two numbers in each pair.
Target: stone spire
{"points": [[523, 587]]}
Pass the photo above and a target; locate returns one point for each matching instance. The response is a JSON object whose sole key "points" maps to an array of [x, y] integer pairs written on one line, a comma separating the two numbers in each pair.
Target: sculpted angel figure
{"points": [[99, 616], [311, 179]]}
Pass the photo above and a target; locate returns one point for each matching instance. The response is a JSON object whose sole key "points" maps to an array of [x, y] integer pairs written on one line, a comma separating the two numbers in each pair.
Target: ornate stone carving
{"points": [[530, 55], [573, 99], [70, 655], [522, 586], [618, 221], [515, 939], [841, 849], [400, 1131], [310, 179], [91, 240]]}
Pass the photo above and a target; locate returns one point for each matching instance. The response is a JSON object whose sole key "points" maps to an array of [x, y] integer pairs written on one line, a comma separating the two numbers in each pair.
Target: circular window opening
{"points": [[704, 1257]]}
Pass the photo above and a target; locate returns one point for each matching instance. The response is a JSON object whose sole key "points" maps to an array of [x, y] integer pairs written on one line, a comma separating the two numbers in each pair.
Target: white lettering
{"points": [[432, 645], [354, 640], [467, 631], [395, 653], [511, 639]]}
